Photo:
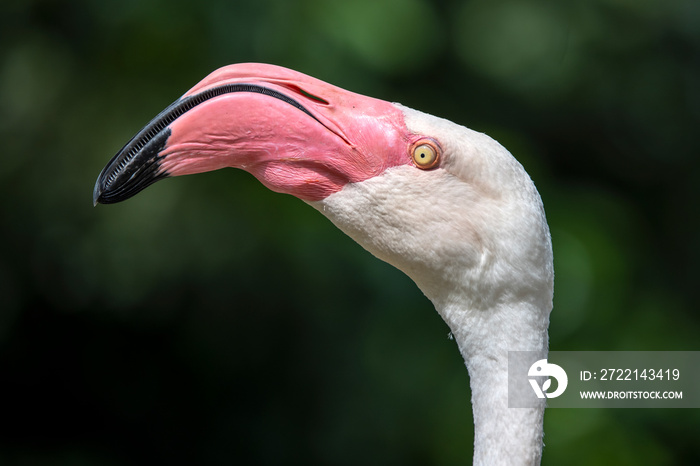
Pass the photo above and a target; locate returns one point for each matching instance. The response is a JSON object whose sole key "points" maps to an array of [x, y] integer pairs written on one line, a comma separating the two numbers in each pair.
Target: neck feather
{"points": [[503, 435]]}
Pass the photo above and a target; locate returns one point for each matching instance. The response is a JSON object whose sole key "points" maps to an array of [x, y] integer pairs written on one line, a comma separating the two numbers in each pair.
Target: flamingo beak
{"points": [[296, 134]]}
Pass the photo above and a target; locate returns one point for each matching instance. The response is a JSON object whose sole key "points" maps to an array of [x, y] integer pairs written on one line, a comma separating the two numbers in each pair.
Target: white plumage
{"points": [[474, 238]]}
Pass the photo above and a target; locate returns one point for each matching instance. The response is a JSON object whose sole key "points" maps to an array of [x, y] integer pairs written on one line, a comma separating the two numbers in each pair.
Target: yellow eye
{"points": [[425, 155]]}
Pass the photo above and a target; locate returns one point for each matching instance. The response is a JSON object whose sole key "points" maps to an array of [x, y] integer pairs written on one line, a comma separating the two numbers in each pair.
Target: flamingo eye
{"points": [[425, 154]]}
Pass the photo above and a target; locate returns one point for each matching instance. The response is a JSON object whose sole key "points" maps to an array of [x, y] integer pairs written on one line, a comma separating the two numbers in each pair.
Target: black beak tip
{"points": [[97, 192], [134, 168]]}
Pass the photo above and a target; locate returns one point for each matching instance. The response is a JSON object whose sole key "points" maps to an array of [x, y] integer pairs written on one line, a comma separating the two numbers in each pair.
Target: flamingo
{"points": [[447, 205]]}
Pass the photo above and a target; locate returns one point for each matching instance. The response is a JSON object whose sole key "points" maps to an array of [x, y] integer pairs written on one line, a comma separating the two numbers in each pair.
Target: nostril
{"points": [[309, 95]]}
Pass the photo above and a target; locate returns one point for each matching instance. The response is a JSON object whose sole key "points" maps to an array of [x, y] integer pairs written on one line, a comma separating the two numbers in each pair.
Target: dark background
{"points": [[210, 321]]}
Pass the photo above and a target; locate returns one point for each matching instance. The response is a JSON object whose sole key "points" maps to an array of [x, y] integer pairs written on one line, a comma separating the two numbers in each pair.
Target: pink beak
{"points": [[296, 134]]}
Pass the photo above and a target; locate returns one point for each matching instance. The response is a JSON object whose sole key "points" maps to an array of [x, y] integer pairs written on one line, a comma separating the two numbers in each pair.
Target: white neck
{"points": [[491, 308], [503, 435], [473, 236]]}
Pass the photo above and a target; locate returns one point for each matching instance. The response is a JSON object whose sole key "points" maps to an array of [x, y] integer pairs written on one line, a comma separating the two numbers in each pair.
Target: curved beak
{"points": [[296, 134]]}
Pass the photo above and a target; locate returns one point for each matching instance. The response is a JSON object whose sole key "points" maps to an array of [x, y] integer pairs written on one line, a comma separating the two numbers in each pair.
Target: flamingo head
{"points": [[435, 199]]}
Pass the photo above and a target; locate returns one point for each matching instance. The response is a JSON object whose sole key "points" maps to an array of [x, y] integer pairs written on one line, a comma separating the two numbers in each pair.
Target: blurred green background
{"points": [[210, 321]]}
